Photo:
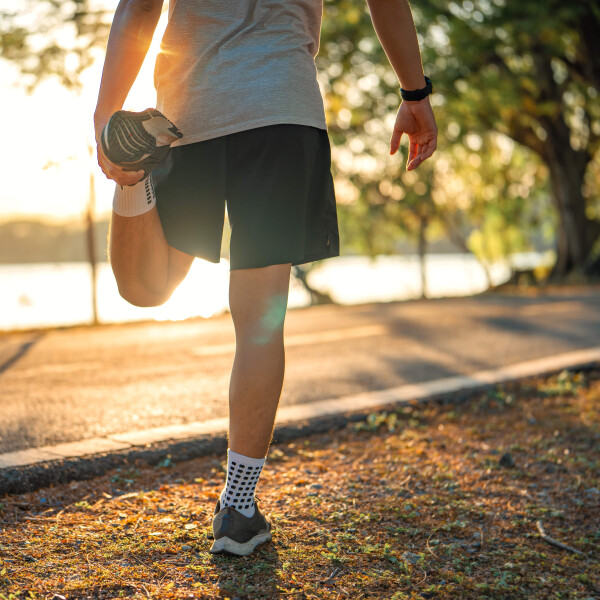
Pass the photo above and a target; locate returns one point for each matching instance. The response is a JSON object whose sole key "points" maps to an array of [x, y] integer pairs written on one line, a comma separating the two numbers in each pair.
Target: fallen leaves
{"points": [[429, 501]]}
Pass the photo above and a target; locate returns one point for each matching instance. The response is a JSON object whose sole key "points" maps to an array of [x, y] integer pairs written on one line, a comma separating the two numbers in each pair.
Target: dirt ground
{"points": [[491, 495]]}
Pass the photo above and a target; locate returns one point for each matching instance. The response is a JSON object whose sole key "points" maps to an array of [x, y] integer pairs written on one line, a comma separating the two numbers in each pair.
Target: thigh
{"points": [[179, 266]]}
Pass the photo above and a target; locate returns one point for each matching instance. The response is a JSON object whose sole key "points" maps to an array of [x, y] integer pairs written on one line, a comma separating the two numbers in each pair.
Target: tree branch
{"points": [[554, 542]]}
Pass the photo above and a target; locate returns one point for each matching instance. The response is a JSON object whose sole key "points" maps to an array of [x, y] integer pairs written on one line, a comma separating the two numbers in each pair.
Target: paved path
{"points": [[74, 384]]}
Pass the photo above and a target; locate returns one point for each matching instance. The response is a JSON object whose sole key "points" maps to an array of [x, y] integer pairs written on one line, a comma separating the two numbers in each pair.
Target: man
{"points": [[238, 78]]}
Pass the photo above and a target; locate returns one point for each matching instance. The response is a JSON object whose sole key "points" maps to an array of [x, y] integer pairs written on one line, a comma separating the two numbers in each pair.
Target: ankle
{"points": [[242, 476]]}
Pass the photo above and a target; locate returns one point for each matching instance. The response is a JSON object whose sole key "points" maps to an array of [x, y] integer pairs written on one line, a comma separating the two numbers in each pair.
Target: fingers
{"points": [[123, 177], [413, 150], [395, 141], [116, 173], [428, 153], [415, 160], [132, 178], [424, 152]]}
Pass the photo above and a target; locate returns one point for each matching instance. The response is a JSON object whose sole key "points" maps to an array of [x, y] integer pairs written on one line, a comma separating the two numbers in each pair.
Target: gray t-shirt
{"points": [[229, 65]]}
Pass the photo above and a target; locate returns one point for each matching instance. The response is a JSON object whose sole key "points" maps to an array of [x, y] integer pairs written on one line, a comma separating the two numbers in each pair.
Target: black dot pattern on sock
{"points": [[241, 484]]}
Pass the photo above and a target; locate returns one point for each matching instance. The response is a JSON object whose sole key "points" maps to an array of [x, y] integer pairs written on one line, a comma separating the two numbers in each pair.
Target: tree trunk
{"points": [[91, 242], [316, 297], [576, 233], [457, 238], [423, 222]]}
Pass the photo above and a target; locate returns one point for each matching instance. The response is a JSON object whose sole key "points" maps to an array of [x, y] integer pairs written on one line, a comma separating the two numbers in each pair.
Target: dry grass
{"points": [[432, 501]]}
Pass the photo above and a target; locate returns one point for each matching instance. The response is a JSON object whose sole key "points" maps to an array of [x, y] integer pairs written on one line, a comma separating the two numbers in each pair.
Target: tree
{"points": [[53, 38], [530, 70], [494, 196], [381, 203]]}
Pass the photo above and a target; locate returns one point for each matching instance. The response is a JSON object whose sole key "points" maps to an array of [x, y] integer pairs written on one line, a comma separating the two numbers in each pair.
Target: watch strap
{"points": [[414, 95]]}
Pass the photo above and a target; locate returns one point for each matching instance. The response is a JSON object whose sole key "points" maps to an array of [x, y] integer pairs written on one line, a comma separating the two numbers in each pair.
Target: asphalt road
{"points": [[74, 384]]}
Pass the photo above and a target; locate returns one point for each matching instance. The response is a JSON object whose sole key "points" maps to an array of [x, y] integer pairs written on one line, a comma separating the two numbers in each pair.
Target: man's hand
{"points": [[110, 169], [130, 37], [417, 121]]}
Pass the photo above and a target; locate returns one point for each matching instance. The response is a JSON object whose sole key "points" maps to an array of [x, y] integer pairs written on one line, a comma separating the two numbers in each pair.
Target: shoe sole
{"points": [[229, 546], [124, 146]]}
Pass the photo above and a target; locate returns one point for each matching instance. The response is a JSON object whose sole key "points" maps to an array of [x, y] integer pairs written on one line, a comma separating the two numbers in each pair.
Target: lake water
{"points": [[41, 295]]}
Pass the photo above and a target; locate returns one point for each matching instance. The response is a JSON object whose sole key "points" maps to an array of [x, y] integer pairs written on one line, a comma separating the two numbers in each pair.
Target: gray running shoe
{"points": [[138, 140], [237, 534]]}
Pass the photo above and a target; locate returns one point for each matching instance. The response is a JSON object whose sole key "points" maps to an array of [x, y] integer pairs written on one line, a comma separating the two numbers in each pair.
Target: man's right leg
{"points": [[146, 268]]}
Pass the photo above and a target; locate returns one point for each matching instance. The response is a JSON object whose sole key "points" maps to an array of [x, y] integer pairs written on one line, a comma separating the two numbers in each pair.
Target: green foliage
{"points": [[375, 421], [483, 191], [516, 67], [495, 192], [566, 383], [166, 463], [529, 71], [377, 206], [53, 39]]}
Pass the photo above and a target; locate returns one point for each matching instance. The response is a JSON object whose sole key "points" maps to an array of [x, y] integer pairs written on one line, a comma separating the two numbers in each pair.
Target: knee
{"points": [[133, 289], [261, 325], [139, 296], [260, 336]]}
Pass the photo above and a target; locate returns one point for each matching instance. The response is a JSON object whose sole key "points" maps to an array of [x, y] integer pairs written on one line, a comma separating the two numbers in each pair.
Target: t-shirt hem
{"points": [[238, 127]]}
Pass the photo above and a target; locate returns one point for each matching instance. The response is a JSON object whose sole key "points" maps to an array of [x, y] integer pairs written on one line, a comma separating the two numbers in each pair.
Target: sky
{"points": [[44, 158]]}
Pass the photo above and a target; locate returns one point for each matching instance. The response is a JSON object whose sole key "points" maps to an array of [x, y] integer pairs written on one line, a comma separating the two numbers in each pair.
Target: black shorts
{"points": [[277, 183]]}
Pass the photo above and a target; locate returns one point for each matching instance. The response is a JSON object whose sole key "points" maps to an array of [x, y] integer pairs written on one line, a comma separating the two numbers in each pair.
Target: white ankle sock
{"points": [[133, 200], [242, 476]]}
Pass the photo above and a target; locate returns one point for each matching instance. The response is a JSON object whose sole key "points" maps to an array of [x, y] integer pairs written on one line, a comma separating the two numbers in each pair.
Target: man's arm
{"points": [[395, 28], [130, 37]]}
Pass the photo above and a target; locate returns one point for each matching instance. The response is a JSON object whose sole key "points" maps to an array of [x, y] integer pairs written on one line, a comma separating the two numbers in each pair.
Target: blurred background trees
{"points": [[531, 71], [52, 38], [517, 104], [516, 98]]}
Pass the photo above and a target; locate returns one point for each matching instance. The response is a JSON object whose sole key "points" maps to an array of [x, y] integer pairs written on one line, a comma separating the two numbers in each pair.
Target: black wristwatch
{"points": [[413, 95]]}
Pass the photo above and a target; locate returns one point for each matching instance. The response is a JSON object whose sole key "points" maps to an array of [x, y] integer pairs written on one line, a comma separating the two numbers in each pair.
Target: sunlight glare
{"points": [[203, 293], [53, 180]]}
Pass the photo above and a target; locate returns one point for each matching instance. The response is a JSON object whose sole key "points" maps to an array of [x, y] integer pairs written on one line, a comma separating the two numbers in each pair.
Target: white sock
{"points": [[242, 476], [133, 200]]}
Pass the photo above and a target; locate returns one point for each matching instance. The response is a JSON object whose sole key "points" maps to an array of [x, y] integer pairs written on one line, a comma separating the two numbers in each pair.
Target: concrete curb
{"points": [[31, 469]]}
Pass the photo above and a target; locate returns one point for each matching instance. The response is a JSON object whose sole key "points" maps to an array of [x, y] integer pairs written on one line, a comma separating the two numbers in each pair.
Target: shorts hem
{"points": [[194, 253], [314, 258], [306, 259]]}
